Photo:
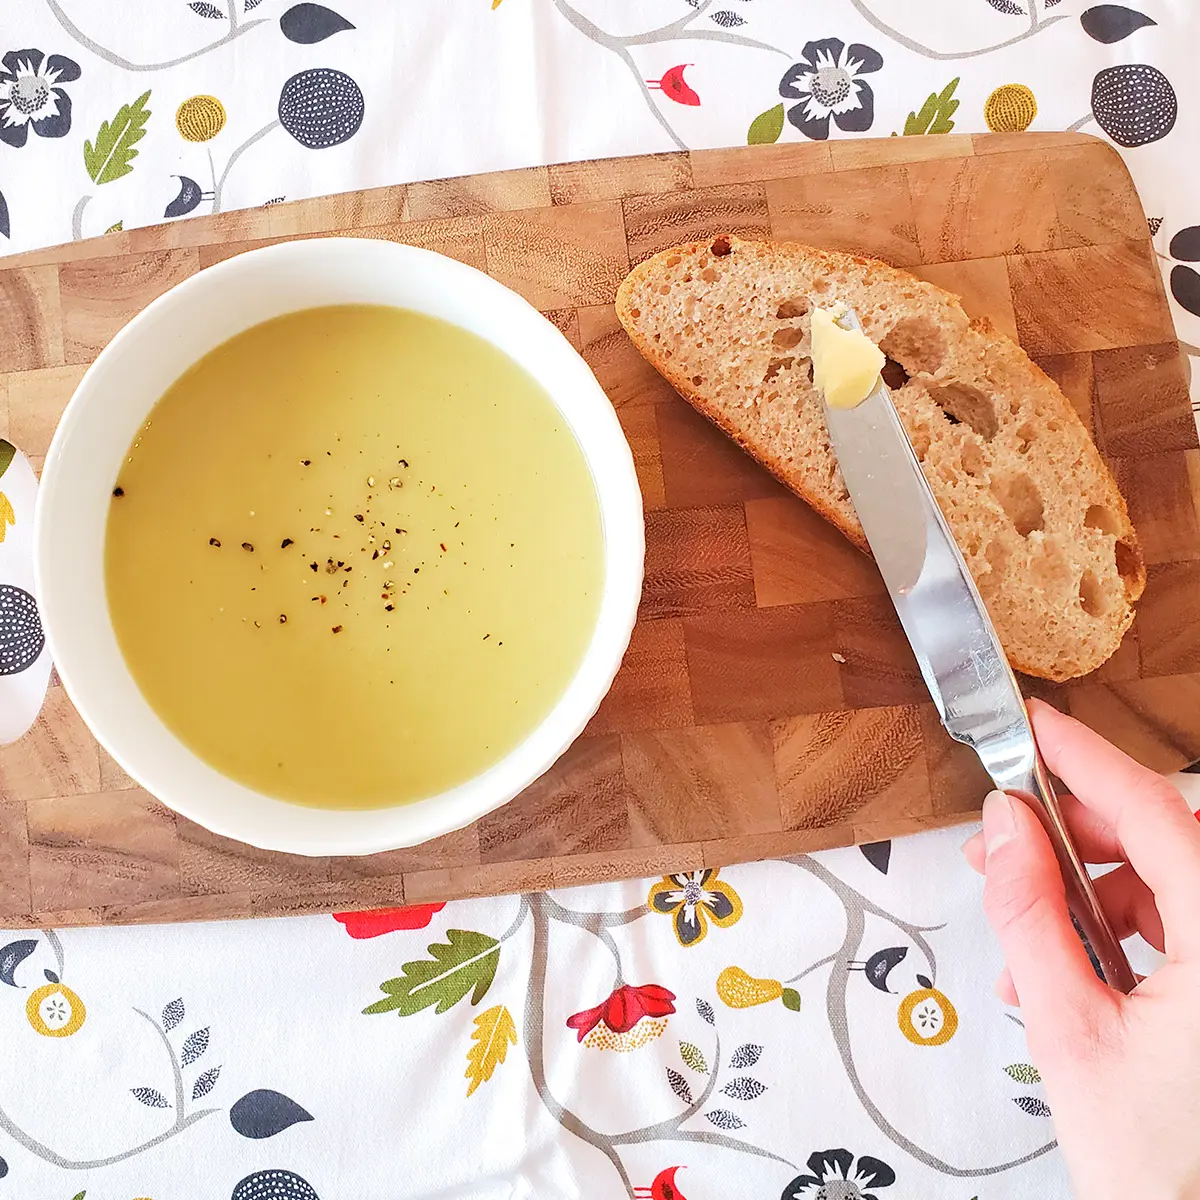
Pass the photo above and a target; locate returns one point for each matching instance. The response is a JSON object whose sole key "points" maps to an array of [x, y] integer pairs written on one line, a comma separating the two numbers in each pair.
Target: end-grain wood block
{"points": [[1150, 719], [1142, 399], [694, 784], [731, 731], [626, 377], [577, 807], [640, 427], [57, 757], [981, 284], [761, 663], [31, 332], [701, 466], [36, 400], [616, 178], [838, 766], [861, 212], [110, 848], [654, 222], [99, 296], [1074, 374], [210, 864], [800, 558], [652, 689], [561, 256], [470, 195], [1169, 619], [879, 667], [956, 219], [697, 561], [1088, 298]]}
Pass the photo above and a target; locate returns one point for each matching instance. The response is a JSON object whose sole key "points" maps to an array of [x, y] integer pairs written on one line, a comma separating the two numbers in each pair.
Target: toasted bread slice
{"points": [[1033, 507]]}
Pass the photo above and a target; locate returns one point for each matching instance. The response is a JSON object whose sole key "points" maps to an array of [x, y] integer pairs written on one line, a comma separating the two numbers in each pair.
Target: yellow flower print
{"points": [[200, 118], [53, 1010], [926, 1017], [7, 516], [1010, 108], [692, 899]]}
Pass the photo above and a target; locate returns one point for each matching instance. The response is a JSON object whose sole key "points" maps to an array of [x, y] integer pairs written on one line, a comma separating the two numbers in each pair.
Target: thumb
{"points": [[1025, 902]]}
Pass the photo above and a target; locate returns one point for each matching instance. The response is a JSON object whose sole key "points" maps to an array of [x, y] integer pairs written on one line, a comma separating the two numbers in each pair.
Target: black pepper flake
{"points": [[374, 555], [312, 566], [359, 518], [286, 543], [306, 462], [455, 524], [248, 546], [337, 629], [214, 542], [401, 530], [257, 625], [389, 608], [486, 636], [283, 618], [403, 462], [443, 546], [118, 491], [416, 570]]}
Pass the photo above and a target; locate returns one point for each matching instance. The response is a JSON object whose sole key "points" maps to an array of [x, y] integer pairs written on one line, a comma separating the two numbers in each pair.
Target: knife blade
{"points": [[951, 634]]}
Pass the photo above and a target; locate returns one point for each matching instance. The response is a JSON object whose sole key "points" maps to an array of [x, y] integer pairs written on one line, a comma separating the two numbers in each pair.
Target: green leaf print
{"points": [[1023, 1073], [766, 127], [935, 113], [693, 1058], [467, 960], [113, 154]]}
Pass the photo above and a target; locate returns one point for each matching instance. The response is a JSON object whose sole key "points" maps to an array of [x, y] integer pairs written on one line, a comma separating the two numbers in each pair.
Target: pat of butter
{"points": [[846, 363]]}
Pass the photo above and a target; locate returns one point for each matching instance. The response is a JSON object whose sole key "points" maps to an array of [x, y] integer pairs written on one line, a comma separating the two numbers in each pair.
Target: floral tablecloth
{"points": [[761, 1031]]}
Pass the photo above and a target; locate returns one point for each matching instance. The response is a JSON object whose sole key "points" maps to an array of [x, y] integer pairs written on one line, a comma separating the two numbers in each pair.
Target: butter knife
{"points": [[951, 634]]}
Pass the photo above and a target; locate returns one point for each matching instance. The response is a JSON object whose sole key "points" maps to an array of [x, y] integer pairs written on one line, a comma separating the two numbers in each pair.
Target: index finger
{"points": [[1150, 818]]}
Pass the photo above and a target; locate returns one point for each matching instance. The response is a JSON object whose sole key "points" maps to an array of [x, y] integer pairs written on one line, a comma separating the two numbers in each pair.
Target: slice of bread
{"points": [[1033, 507]]}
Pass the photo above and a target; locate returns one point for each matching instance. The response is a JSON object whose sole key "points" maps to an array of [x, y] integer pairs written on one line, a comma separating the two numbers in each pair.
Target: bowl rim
{"points": [[309, 830]]}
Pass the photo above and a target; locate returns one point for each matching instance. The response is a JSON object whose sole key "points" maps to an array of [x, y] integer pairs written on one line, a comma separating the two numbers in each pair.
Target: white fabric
{"points": [[457, 87]]}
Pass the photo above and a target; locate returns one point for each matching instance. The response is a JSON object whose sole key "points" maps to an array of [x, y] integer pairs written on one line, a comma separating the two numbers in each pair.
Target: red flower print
{"points": [[383, 920], [672, 86], [663, 1187], [624, 1009]]}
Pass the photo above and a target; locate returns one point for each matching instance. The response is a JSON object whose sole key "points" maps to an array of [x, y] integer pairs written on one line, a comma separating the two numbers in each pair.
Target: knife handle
{"points": [[1038, 792]]}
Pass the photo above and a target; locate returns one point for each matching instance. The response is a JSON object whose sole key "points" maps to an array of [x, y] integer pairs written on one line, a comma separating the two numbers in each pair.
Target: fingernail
{"points": [[999, 822]]}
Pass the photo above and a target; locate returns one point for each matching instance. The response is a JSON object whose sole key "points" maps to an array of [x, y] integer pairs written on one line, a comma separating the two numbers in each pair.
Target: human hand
{"points": [[1122, 1073]]}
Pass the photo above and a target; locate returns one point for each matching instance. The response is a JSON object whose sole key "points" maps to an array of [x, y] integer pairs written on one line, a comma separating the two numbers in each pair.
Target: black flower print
{"points": [[30, 95], [836, 1176], [1185, 281], [828, 84], [1134, 103], [321, 107]]}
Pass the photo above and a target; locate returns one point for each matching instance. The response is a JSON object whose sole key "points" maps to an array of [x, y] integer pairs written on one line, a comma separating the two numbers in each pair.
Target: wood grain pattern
{"points": [[768, 703]]}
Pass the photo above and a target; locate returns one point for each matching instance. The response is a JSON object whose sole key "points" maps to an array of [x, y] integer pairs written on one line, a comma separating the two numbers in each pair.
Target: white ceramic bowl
{"points": [[114, 399]]}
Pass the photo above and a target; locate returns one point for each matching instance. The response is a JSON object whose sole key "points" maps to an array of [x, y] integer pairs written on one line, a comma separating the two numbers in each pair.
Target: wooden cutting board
{"points": [[769, 703]]}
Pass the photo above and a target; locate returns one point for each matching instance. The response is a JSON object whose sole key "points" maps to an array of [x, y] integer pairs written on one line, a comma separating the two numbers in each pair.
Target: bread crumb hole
{"points": [[996, 557], [1102, 518], [697, 380], [1091, 595], [788, 337], [973, 460], [720, 247], [962, 402], [709, 275], [1022, 502], [635, 313], [775, 366], [674, 260], [1129, 564], [1026, 435], [917, 344], [820, 286], [790, 309], [808, 369], [920, 443], [894, 375], [665, 290]]}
